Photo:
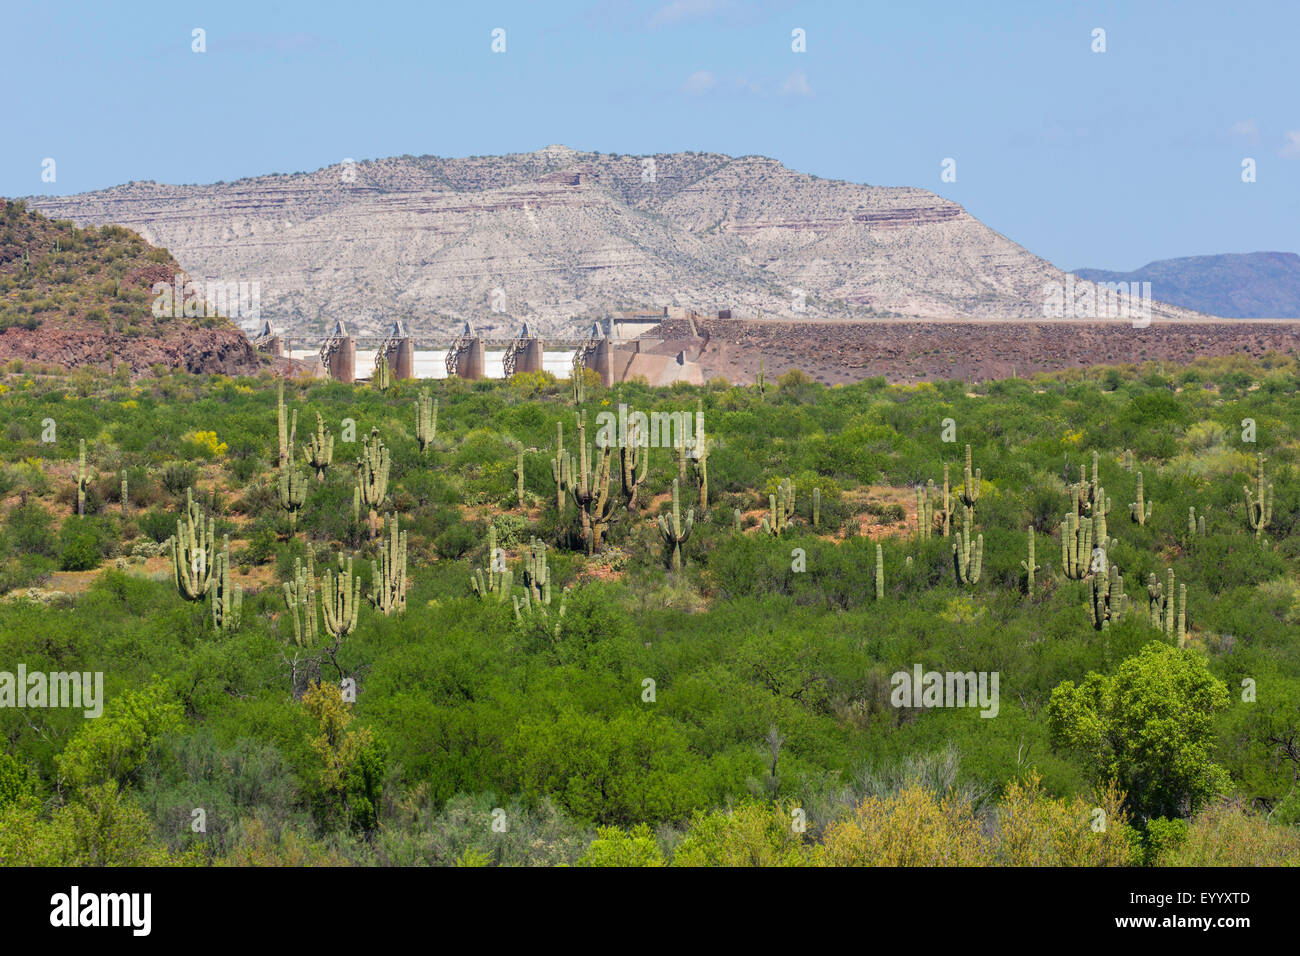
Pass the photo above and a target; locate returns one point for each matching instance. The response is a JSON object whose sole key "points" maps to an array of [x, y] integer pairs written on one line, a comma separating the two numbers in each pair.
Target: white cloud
{"points": [[1291, 147], [701, 81], [796, 84], [1246, 130]]}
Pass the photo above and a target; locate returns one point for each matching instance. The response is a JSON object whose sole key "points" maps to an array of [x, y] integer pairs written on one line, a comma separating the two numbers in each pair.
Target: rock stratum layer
{"points": [[567, 235]]}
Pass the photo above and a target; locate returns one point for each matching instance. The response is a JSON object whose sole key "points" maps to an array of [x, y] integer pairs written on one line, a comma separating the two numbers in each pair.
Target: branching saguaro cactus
{"points": [[561, 467], [527, 607], [499, 578], [1100, 509], [967, 555], [286, 430], [780, 509], [880, 573], [1109, 602], [675, 532], [292, 491], [634, 464], [372, 476], [1076, 543], [192, 551], [388, 573], [1195, 524], [1160, 605], [970, 491], [537, 574], [1030, 567], [1259, 503], [589, 488], [1140, 510], [426, 420], [83, 478], [341, 599], [700, 456], [578, 381], [300, 597], [320, 449], [227, 597], [383, 378]]}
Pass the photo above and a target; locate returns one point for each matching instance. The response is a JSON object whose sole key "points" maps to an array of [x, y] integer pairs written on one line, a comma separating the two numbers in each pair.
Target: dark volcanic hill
{"points": [[72, 297], [1249, 285], [553, 235]]}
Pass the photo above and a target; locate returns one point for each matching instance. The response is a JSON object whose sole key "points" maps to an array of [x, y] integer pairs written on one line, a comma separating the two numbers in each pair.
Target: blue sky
{"points": [[1107, 160]]}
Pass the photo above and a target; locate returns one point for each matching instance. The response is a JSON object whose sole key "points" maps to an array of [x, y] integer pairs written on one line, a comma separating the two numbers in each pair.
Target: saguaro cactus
{"points": [[970, 492], [1030, 567], [1160, 602], [924, 510], [578, 381], [1140, 510], [499, 578], [341, 599], [1182, 614], [1195, 524], [761, 380], [125, 499], [1076, 540], [1100, 509], [817, 507], [83, 478], [634, 464], [561, 467], [426, 420], [1109, 602], [880, 573], [227, 597], [285, 429], [737, 519], [388, 574], [383, 377], [590, 488], [676, 532], [519, 474], [947, 504], [372, 476], [192, 551], [300, 597], [780, 508], [700, 456], [320, 449], [968, 555], [537, 574], [1259, 503], [292, 488]]}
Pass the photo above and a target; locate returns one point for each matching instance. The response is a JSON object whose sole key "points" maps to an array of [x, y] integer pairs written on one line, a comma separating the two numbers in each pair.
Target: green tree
{"points": [[1149, 728], [113, 746]]}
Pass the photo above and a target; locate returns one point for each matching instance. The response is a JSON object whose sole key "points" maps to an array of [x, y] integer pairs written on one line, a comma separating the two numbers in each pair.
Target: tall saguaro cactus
{"points": [[320, 449], [1259, 503], [1140, 510], [880, 573], [341, 599], [388, 573], [780, 508], [83, 479], [634, 464], [383, 378], [537, 574], [286, 430], [227, 597], [967, 555], [301, 599], [1109, 602], [675, 532], [700, 456], [499, 578], [192, 549], [1195, 524], [590, 488], [1030, 567], [372, 476], [292, 489], [1076, 542], [561, 467], [970, 492], [519, 474], [817, 506], [426, 420], [124, 498]]}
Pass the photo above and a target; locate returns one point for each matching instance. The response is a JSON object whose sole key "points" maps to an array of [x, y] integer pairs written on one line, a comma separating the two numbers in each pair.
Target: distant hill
{"points": [[71, 297], [554, 235], [1245, 285]]}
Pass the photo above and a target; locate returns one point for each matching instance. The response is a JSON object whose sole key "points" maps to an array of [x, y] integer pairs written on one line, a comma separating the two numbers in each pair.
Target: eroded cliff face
{"points": [[557, 234], [84, 297]]}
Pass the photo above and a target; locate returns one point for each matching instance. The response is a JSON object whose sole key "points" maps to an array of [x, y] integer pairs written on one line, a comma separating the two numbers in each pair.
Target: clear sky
{"points": [[1108, 160]]}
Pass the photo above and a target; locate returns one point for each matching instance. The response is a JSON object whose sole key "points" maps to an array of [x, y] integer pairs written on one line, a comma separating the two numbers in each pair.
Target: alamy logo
{"points": [[186, 298], [1080, 299], [655, 430], [951, 689], [103, 909], [80, 691]]}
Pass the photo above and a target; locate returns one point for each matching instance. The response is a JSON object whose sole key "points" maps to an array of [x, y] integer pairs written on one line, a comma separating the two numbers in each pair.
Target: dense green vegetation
{"points": [[628, 712]]}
